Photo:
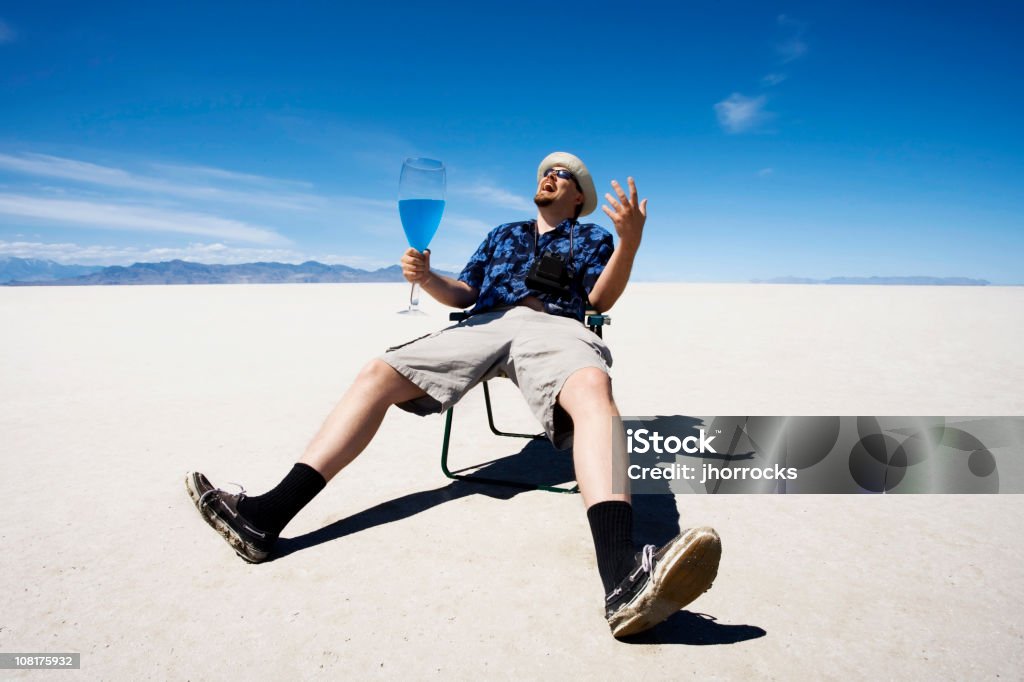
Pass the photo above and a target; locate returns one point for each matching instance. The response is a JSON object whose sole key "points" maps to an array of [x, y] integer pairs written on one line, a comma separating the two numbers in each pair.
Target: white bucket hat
{"points": [[577, 168]]}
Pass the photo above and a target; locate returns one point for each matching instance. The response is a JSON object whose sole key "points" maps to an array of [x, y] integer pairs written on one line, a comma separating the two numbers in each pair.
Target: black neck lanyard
{"points": [[536, 238]]}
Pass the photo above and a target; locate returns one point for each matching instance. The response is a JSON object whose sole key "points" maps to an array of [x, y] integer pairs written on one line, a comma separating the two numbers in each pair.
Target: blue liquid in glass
{"points": [[420, 218]]}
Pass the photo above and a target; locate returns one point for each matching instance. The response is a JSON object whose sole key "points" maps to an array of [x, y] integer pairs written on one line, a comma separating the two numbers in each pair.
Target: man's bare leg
{"points": [[251, 525], [354, 421], [639, 594], [587, 397]]}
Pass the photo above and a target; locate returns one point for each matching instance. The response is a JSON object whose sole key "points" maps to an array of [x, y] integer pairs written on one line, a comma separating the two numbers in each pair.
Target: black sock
{"points": [[272, 510], [611, 524]]}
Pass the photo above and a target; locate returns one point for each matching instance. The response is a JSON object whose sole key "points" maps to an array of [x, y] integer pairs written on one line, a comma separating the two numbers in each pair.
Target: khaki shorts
{"points": [[537, 351]]}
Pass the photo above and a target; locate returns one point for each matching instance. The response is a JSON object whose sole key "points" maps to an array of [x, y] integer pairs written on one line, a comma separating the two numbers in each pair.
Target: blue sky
{"points": [[808, 139]]}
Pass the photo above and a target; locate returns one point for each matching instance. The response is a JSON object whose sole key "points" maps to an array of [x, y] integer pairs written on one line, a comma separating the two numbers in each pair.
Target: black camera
{"points": [[549, 275]]}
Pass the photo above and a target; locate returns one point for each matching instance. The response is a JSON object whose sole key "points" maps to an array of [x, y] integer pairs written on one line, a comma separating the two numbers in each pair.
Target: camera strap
{"points": [[572, 232]]}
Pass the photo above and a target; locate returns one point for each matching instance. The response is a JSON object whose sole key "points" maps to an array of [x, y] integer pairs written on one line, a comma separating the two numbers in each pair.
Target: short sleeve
{"points": [[473, 273], [596, 261]]}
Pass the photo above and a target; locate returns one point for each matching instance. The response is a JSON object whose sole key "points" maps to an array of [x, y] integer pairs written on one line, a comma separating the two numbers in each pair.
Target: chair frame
{"points": [[596, 322]]}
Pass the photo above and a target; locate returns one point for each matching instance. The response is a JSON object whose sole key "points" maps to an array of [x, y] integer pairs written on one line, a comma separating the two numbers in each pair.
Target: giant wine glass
{"points": [[421, 191]]}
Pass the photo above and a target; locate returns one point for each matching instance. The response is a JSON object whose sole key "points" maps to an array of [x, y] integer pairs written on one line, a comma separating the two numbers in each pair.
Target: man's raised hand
{"points": [[416, 266], [628, 213]]}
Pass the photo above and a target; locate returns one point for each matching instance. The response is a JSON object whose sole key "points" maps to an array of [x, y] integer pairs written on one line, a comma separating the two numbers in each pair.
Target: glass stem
{"points": [[414, 297]]}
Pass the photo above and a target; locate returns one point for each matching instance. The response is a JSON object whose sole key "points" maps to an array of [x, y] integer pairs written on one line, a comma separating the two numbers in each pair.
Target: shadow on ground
{"points": [[656, 518], [695, 628], [656, 521], [537, 463]]}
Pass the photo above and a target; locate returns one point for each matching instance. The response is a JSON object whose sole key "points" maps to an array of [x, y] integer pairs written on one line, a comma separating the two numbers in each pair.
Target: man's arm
{"points": [[613, 280], [448, 291], [628, 214]]}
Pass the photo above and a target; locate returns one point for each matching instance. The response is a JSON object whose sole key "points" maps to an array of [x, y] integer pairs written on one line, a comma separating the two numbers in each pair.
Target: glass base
{"points": [[414, 302]]}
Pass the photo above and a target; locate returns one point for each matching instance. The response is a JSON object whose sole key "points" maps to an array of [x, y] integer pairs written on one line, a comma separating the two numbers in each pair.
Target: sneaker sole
{"points": [[246, 551], [683, 574]]}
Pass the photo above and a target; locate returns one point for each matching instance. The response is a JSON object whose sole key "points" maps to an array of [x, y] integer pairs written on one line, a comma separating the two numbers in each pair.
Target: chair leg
{"points": [[494, 429], [484, 479]]}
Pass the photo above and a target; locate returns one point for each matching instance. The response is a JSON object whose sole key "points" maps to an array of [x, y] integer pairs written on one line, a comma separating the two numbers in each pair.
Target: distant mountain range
{"points": [[34, 272], [904, 281], [24, 272]]}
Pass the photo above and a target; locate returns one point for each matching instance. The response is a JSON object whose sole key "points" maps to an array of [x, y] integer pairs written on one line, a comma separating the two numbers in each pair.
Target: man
{"points": [[529, 282]]}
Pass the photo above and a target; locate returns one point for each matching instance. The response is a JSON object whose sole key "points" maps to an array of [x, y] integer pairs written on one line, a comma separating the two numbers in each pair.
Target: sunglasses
{"points": [[562, 173], [565, 175]]}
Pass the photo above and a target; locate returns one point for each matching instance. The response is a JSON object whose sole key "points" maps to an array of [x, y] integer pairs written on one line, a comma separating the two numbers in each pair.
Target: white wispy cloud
{"points": [[216, 205], [70, 253], [739, 114], [467, 225], [134, 217], [373, 217], [232, 176], [353, 261], [495, 196], [95, 174], [386, 205], [793, 47], [6, 33], [765, 172], [380, 217], [371, 148]]}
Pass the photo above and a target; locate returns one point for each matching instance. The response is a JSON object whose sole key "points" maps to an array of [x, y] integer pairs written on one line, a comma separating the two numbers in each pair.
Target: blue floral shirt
{"points": [[498, 268]]}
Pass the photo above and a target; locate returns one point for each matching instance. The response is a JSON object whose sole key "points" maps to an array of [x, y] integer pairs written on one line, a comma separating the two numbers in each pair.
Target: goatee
{"points": [[543, 200]]}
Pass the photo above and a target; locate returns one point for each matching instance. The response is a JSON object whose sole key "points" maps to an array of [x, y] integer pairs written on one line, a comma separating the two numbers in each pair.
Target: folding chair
{"points": [[596, 322]]}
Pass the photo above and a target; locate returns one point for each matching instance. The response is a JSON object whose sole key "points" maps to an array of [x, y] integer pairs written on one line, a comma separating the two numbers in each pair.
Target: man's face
{"points": [[552, 189]]}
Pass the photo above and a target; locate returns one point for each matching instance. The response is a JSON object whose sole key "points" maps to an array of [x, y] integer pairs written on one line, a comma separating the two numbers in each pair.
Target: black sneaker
{"points": [[220, 509], [664, 581]]}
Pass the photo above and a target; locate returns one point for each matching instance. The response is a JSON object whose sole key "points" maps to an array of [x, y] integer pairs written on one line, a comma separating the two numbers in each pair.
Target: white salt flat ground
{"points": [[109, 395]]}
